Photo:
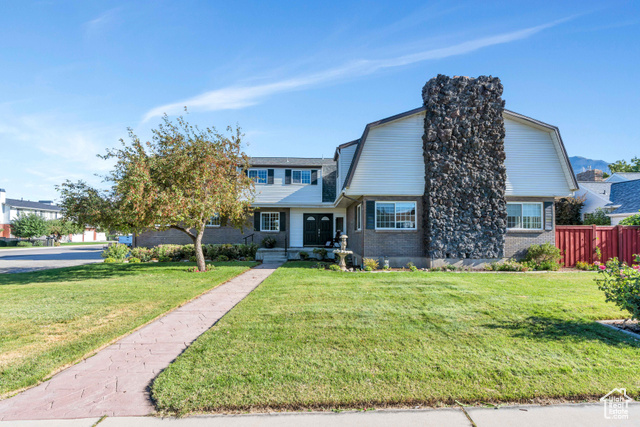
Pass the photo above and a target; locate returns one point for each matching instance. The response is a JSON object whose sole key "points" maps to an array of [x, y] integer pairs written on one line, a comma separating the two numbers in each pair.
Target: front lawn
{"points": [[51, 318], [318, 339]]}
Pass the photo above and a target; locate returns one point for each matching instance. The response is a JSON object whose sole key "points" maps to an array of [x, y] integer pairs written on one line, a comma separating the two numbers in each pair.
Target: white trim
{"points": [[301, 170], [257, 170], [270, 213], [358, 225], [415, 221], [209, 225], [541, 204]]}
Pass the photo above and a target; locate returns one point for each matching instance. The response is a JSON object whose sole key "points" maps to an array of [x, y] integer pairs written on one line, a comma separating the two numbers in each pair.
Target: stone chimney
{"points": [[590, 175], [465, 210]]}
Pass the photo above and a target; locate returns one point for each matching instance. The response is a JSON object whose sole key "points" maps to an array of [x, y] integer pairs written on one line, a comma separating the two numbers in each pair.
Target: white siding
{"points": [[296, 222], [291, 194], [344, 162], [533, 162], [391, 162]]}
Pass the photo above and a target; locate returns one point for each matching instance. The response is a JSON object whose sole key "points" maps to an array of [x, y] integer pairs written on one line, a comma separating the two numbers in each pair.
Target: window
{"points": [[270, 221], [214, 221], [259, 176], [359, 217], [524, 216], [396, 215], [301, 177]]}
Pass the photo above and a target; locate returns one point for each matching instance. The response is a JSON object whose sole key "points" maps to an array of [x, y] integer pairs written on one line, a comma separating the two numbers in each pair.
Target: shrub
{"points": [[222, 258], [371, 263], [599, 217], [56, 243], [38, 243], [368, 268], [412, 267], [335, 267], [134, 260], [543, 257], [581, 265], [507, 266], [621, 285], [631, 220], [24, 244], [188, 251], [231, 251], [320, 265], [568, 210], [209, 267], [193, 259], [269, 242], [304, 255], [164, 259], [321, 252], [143, 254], [118, 251], [110, 260], [173, 252], [3, 243]]}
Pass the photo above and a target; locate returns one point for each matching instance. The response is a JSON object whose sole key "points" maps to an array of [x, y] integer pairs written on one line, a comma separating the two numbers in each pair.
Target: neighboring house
{"points": [[11, 208], [623, 176], [375, 190], [618, 195]]}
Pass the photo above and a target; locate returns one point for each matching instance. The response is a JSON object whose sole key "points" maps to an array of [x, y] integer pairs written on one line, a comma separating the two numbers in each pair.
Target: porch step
{"points": [[274, 258]]}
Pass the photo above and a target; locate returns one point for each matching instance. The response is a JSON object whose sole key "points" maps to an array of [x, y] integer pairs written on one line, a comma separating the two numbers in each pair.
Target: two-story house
{"points": [[458, 180], [12, 208]]}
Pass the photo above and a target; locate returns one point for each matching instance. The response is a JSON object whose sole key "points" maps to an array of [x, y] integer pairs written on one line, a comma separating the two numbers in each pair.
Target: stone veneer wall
{"points": [[464, 199], [214, 235]]}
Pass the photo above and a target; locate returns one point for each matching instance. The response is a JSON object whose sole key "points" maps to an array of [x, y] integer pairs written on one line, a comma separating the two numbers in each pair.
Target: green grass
{"points": [[51, 318], [318, 339]]}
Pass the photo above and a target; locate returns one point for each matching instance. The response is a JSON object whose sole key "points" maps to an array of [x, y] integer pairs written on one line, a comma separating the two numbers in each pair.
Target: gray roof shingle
{"points": [[627, 195], [27, 204], [290, 161]]}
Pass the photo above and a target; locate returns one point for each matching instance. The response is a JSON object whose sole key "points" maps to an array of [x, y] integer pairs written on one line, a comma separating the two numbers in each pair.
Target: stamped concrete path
{"points": [[115, 381]]}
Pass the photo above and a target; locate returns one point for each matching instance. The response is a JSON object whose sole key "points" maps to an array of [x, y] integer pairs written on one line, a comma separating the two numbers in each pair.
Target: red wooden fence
{"points": [[579, 242]]}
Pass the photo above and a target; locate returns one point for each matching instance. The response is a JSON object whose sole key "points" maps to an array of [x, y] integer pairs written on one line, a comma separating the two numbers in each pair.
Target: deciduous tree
{"points": [[623, 166], [29, 226], [179, 179], [60, 227]]}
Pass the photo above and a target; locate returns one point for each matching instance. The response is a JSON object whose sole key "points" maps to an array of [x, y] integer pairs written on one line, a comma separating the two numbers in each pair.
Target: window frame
{"points": [[522, 227], [301, 171], [395, 214], [276, 214], [359, 217], [257, 177], [210, 223]]}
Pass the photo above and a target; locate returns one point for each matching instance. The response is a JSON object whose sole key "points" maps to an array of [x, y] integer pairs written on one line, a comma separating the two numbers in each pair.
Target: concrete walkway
{"points": [[570, 415], [115, 381]]}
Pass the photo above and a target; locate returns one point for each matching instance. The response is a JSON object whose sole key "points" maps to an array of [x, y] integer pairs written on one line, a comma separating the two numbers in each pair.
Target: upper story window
{"points": [[359, 217], [396, 215], [259, 176], [214, 221], [270, 221], [301, 177], [524, 216]]}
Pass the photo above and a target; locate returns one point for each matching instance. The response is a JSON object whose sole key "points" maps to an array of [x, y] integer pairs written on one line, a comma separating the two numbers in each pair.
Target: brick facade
{"points": [[216, 235]]}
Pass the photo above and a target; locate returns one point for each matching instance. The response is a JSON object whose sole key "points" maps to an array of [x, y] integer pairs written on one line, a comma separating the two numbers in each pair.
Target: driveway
{"points": [[21, 260]]}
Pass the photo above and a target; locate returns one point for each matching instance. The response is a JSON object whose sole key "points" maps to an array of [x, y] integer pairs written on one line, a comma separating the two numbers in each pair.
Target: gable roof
{"points": [[345, 145], [627, 195], [568, 169], [27, 204], [629, 176], [290, 161]]}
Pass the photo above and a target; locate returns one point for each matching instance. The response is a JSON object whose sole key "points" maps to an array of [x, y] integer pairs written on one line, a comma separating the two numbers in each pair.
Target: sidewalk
{"points": [[115, 381], [570, 415]]}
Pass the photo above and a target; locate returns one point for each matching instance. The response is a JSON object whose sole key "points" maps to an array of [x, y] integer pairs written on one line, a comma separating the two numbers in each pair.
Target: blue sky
{"points": [[299, 77]]}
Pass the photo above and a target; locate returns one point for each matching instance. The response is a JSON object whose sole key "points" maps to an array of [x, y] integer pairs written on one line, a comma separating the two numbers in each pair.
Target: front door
{"points": [[318, 229]]}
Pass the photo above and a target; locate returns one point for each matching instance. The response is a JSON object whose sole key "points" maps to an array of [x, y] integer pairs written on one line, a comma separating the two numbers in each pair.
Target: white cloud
{"points": [[236, 97]]}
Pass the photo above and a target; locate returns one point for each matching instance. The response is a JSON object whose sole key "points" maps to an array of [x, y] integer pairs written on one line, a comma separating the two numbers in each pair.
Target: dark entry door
{"points": [[318, 229]]}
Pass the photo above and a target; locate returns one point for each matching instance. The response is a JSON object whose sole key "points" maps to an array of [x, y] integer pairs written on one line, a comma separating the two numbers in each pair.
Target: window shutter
{"points": [[314, 177], [256, 221], [548, 216], [371, 215], [283, 221], [246, 172], [287, 176], [269, 176]]}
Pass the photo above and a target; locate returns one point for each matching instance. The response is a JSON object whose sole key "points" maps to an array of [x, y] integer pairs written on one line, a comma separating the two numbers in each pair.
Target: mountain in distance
{"points": [[580, 164]]}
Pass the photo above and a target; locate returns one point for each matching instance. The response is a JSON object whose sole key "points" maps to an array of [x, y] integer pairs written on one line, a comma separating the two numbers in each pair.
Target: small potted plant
{"points": [[269, 242]]}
